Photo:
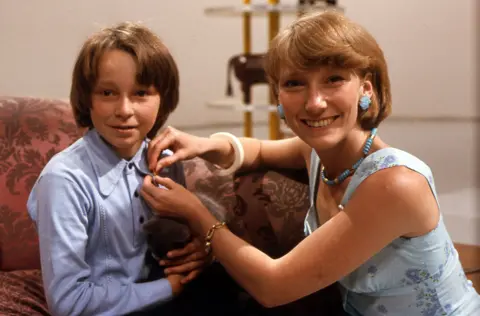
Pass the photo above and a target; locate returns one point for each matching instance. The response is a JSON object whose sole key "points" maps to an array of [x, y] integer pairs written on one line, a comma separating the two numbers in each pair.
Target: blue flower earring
{"points": [[280, 112], [365, 102]]}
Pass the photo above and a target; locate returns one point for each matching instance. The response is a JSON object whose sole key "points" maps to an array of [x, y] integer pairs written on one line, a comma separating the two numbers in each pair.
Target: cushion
{"points": [[31, 132]]}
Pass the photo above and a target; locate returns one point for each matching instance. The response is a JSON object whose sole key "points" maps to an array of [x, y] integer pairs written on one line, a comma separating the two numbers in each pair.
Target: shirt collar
{"points": [[107, 166]]}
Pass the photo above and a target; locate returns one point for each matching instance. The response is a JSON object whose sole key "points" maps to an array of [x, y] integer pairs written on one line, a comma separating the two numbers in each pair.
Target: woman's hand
{"points": [[186, 146], [173, 200], [183, 145], [189, 261]]}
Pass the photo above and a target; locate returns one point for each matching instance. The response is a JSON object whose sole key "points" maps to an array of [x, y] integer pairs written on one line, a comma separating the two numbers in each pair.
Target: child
{"points": [[85, 202]]}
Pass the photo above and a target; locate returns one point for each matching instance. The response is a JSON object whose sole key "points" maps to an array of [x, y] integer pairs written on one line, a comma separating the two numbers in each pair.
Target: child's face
{"points": [[122, 112]]}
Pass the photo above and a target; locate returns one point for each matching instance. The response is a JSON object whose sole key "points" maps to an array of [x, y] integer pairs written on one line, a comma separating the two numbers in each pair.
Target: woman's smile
{"points": [[324, 122]]}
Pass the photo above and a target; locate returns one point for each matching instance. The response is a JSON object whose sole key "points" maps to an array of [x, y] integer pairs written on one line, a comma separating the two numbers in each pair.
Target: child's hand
{"points": [[176, 283], [188, 261]]}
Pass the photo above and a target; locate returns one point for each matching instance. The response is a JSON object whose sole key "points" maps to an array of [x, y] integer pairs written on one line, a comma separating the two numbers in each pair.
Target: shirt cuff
{"points": [[158, 291]]}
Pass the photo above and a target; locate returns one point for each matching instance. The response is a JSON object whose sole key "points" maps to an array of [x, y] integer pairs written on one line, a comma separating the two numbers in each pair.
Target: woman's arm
{"points": [[60, 210], [388, 204], [285, 153]]}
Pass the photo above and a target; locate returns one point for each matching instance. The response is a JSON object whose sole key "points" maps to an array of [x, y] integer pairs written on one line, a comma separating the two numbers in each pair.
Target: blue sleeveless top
{"points": [[410, 276]]}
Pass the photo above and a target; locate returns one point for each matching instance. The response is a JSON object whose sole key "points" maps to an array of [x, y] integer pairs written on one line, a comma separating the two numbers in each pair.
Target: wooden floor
{"points": [[470, 258]]}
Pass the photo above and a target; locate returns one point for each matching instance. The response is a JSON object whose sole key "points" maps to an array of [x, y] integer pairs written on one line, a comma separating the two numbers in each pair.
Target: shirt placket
{"points": [[138, 215]]}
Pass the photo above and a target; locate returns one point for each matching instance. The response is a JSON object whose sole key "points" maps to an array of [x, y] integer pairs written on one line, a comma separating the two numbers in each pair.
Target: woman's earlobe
{"points": [[365, 102]]}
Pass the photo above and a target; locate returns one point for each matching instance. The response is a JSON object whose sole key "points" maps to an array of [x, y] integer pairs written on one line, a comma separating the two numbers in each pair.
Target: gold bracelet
{"points": [[209, 236]]}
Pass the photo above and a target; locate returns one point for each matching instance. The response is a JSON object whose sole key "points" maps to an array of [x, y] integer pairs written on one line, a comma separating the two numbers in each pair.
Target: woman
{"points": [[374, 224]]}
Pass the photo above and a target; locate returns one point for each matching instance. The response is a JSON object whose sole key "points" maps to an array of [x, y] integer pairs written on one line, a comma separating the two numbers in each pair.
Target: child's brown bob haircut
{"points": [[329, 38], [155, 66]]}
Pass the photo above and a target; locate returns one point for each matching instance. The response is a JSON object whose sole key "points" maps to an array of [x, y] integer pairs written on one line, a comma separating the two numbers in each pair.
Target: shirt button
{"points": [[130, 165], [136, 194], [141, 219]]}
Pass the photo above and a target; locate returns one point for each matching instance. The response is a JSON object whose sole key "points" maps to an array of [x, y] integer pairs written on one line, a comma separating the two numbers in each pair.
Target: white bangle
{"points": [[237, 148]]}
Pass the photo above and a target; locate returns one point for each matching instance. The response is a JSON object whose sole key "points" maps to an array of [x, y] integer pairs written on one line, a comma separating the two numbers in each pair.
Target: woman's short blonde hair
{"points": [[329, 38], [155, 66]]}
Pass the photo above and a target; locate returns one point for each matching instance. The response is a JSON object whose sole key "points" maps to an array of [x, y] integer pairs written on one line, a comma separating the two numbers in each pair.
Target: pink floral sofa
{"points": [[267, 207]]}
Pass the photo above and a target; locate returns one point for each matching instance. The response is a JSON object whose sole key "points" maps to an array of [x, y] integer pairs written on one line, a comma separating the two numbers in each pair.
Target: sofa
{"points": [[266, 208]]}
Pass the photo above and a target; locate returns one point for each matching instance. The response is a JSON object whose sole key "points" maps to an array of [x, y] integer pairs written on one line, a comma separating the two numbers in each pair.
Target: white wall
{"points": [[432, 47]]}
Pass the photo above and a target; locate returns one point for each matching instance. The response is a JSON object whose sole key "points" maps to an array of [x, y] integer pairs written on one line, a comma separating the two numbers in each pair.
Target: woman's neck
{"points": [[344, 155]]}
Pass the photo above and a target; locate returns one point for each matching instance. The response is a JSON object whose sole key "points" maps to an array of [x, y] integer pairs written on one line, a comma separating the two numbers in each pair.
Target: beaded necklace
{"points": [[344, 175]]}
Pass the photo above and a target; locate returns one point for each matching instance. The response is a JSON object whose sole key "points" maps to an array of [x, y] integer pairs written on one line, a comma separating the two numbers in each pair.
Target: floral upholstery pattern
{"points": [[265, 208], [31, 132]]}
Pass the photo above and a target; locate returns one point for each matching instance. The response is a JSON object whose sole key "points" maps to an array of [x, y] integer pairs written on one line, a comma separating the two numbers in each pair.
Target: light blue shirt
{"points": [[89, 221]]}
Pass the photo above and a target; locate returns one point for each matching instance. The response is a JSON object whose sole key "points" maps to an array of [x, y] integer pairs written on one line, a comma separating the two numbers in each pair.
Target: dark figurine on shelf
{"points": [[248, 69], [313, 2]]}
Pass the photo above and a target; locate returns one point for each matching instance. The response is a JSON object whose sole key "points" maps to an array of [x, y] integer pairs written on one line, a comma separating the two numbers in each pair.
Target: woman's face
{"points": [[321, 105]]}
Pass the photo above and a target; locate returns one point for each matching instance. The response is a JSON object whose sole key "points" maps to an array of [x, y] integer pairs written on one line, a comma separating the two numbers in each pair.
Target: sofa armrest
{"points": [[21, 293]]}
